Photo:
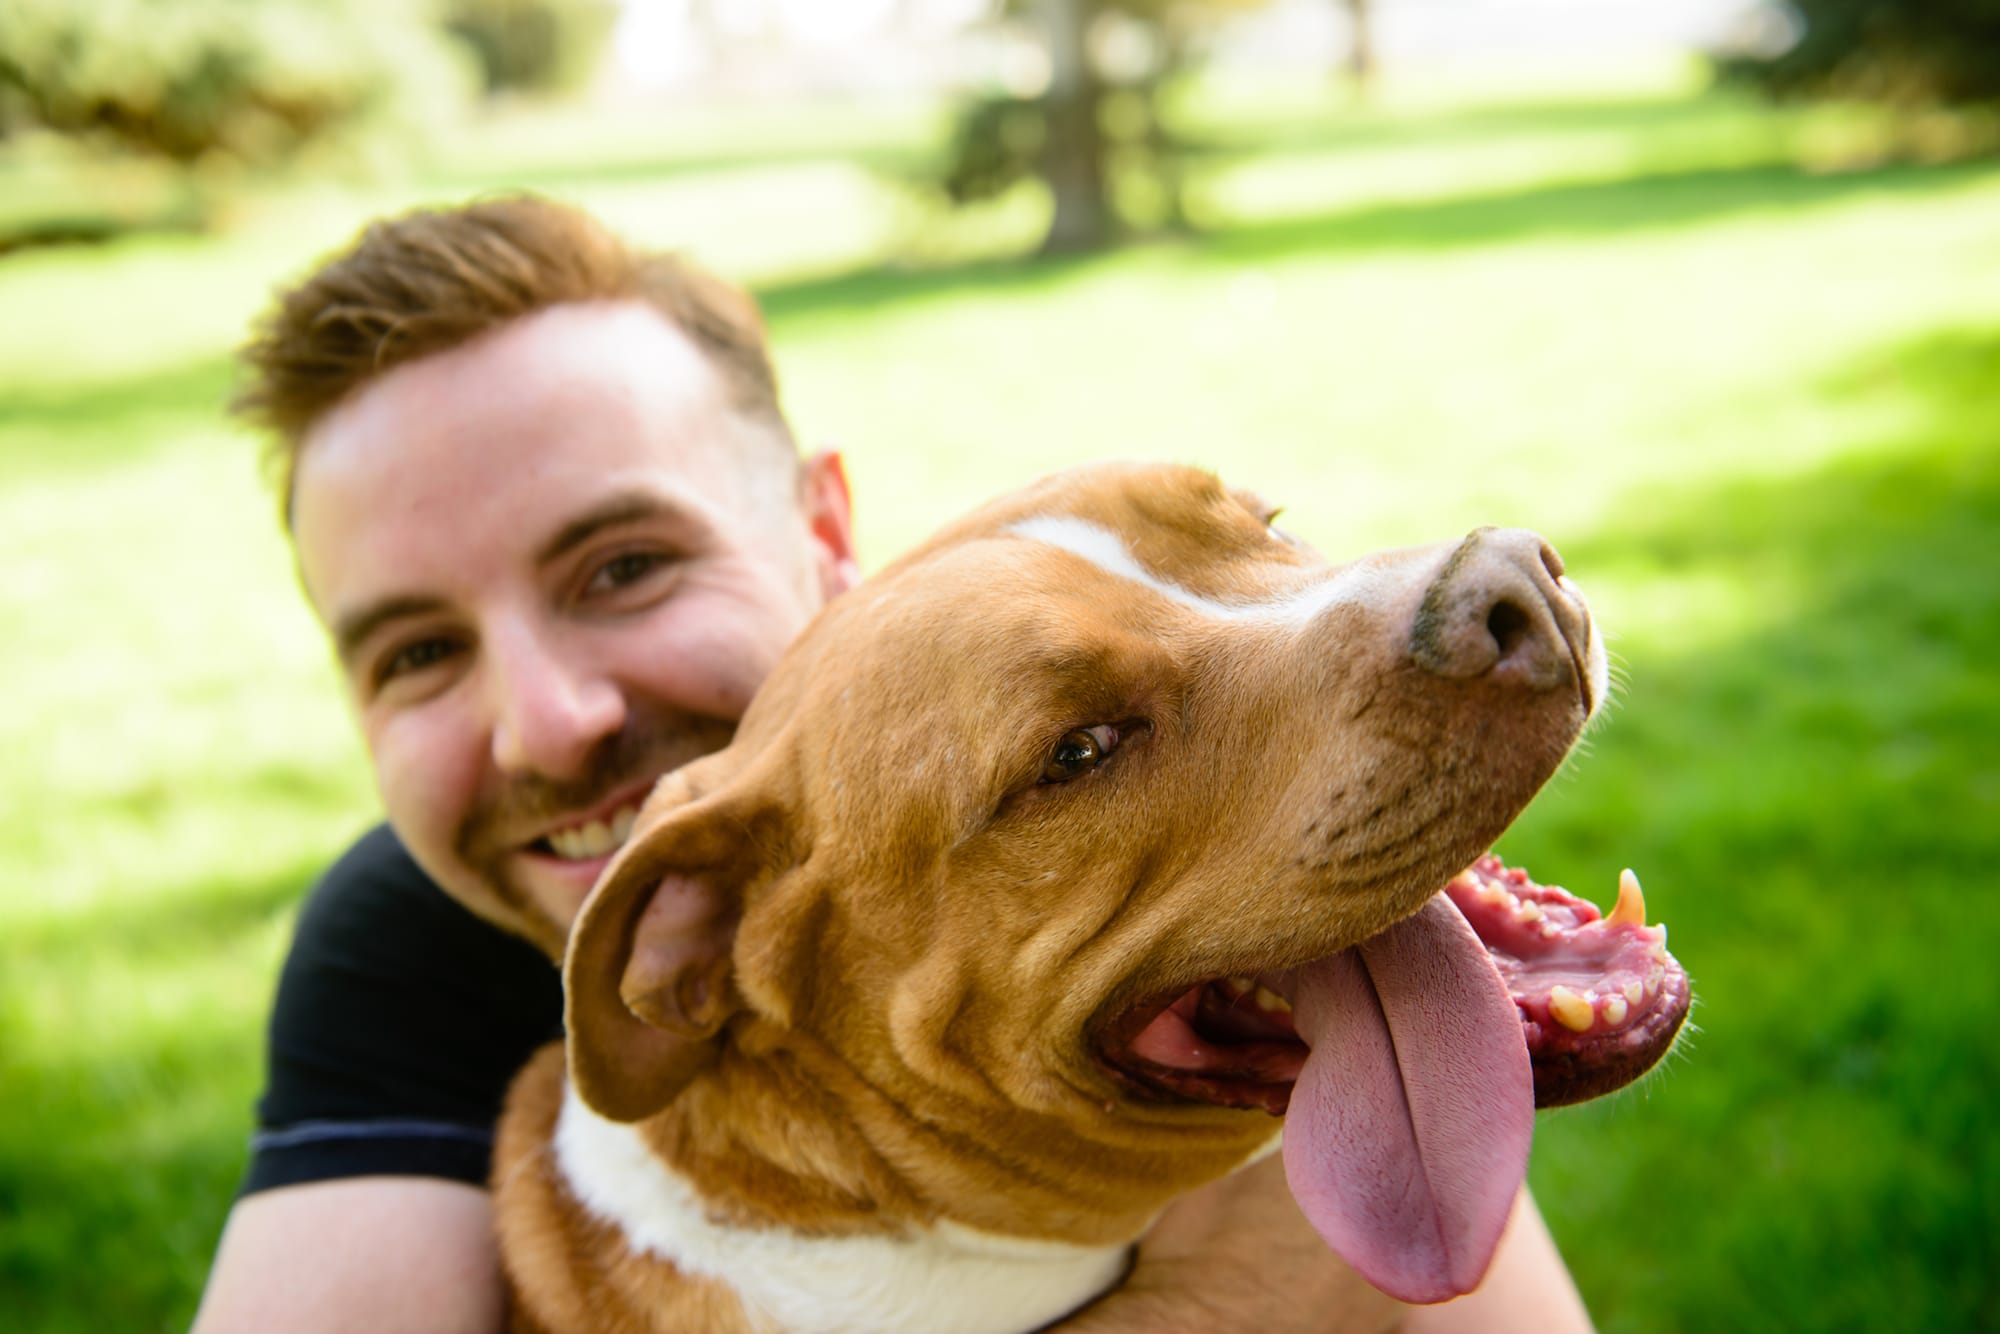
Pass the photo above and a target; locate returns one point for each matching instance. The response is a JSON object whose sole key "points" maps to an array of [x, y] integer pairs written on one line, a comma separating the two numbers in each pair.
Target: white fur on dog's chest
{"points": [[946, 1279]]}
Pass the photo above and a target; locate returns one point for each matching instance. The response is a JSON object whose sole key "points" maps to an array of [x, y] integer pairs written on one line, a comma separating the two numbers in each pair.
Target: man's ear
{"points": [[647, 981], [829, 511]]}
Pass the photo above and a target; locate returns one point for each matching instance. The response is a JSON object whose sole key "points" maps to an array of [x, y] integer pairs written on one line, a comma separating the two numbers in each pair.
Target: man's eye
{"points": [[625, 569], [415, 657]]}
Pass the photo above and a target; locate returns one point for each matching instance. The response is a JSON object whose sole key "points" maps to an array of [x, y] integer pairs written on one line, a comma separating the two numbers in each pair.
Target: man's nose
{"points": [[550, 709]]}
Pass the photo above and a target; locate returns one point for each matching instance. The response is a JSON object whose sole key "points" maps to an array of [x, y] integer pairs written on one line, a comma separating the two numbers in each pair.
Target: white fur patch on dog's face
{"points": [[1294, 609], [1108, 552], [943, 1280]]}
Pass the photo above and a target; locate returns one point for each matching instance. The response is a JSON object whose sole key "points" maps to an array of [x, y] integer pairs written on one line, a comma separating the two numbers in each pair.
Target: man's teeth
{"points": [[599, 838]]}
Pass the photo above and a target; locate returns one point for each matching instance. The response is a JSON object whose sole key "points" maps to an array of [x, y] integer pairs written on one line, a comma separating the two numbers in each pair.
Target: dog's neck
{"points": [[783, 1131], [786, 1174], [924, 1278]]}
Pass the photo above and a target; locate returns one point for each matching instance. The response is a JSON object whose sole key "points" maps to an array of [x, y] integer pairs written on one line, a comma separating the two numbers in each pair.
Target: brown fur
{"points": [[909, 936], [570, 1271]]}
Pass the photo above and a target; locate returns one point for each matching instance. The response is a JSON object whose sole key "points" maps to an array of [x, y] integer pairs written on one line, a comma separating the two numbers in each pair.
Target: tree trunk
{"points": [[1360, 46], [1072, 157]]}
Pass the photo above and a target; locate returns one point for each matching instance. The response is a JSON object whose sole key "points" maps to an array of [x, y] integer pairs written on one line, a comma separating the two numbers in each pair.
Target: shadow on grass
{"points": [[80, 227], [1817, 803], [52, 432], [118, 1159], [1621, 206], [1346, 127], [915, 157], [898, 161], [116, 1189], [75, 428]]}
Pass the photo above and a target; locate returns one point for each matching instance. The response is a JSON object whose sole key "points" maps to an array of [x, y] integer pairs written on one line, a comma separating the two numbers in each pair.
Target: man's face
{"points": [[556, 564]]}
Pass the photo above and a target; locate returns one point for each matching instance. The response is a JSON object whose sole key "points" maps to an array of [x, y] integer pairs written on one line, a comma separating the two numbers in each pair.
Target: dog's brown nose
{"points": [[1496, 610]]}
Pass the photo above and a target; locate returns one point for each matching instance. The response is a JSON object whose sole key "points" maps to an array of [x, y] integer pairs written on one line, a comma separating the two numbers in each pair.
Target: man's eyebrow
{"points": [[351, 631], [623, 507]]}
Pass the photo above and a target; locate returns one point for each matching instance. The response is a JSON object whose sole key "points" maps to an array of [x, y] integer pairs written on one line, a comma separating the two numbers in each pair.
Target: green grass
{"points": [[1755, 402]]}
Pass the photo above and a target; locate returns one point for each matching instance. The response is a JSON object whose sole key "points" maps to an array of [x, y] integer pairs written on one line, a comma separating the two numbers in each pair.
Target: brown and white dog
{"points": [[1048, 865]]}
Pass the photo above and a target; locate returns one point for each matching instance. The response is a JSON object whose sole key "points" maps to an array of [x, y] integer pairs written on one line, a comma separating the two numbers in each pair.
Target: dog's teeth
{"points": [[1654, 977], [621, 824], [1271, 1002], [1571, 1010], [1635, 991], [1550, 930], [1238, 987], [1466, 879], [1631, 906], [1614, 1010], [1527, 910]]}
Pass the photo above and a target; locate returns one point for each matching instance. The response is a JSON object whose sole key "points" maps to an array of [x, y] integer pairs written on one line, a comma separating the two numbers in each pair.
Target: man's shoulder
{"points": [[376, 913], [400, 1018]]}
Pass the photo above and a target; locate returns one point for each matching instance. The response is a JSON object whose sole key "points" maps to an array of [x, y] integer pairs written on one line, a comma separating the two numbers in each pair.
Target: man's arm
{"points": [[1527, 1291], [366, 1255], [399, 1021], [1238, 1255]]}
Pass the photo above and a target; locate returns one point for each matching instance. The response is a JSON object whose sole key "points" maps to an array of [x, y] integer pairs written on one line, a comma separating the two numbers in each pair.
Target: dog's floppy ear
{"points": [[646, 981]]}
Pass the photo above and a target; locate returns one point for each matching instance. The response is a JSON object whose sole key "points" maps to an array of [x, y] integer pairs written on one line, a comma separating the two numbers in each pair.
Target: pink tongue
{"points": [[1408, 1132]]}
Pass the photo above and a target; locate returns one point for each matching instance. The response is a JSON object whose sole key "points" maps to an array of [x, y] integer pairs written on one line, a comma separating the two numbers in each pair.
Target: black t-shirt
{"points": [[400, 1020]]}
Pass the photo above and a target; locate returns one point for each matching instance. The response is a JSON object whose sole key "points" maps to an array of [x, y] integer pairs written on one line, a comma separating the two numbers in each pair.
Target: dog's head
{"points": [[1042, 832]]}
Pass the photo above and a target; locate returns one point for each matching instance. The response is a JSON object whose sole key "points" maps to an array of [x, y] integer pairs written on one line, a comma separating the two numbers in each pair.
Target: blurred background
{"points": [[1706, 290]]}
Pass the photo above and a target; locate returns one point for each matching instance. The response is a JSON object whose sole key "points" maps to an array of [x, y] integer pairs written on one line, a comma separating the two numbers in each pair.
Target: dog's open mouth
{"points": [[1599, 997], [1410, 1065]]}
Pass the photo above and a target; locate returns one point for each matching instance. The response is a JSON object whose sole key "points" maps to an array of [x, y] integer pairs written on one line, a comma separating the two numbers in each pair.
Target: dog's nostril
{"points": [[1508, 625]]}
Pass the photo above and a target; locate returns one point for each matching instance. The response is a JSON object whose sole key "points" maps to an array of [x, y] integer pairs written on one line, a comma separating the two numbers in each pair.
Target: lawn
{"points": [[1748, 384]]}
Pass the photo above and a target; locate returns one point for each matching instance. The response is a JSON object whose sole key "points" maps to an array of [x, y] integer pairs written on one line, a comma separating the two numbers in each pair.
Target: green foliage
{"points": [[1187, 12], [537, 46], [994, 145], [999, 142], [1910, 52], [1102, 141], [192, 80]]}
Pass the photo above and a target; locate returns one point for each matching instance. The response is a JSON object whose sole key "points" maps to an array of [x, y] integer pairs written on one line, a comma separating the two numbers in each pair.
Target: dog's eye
{"points": [[1079, 752]]}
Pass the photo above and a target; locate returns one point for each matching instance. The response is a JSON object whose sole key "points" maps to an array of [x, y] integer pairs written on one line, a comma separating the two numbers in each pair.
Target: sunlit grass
{"points": [[1753, 402]]}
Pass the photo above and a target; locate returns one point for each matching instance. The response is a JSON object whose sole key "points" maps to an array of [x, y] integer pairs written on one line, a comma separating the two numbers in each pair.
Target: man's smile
{"points": [[590, 839], [585, 839]]}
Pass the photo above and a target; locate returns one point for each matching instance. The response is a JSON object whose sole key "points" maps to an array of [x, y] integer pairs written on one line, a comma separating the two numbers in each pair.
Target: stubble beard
{"points": [[501, 822]]}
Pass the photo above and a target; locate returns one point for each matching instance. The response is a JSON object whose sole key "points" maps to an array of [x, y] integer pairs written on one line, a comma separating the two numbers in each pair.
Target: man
{"points": [[546, 504]]}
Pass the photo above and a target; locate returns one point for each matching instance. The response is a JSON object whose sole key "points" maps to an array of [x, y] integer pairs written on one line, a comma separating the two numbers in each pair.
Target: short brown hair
{"points": [[431, 280]]}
